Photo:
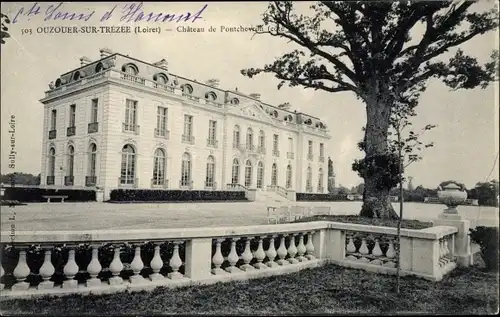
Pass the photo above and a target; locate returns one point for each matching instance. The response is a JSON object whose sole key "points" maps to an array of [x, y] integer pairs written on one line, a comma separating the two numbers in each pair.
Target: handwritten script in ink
{"points": [[130, 12]]}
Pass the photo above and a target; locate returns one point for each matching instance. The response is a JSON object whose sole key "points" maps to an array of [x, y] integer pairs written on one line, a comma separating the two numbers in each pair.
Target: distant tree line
{"points": [[20, 179]]}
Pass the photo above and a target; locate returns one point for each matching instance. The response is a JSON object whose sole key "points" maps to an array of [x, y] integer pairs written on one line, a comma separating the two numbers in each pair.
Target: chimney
{"points": [[105, 52], [255, 96], [84, 60], [162, 64], [213, 82]]}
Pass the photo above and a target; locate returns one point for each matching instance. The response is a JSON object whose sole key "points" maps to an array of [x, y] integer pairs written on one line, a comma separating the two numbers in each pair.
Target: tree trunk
{"points": [[376, 200]]}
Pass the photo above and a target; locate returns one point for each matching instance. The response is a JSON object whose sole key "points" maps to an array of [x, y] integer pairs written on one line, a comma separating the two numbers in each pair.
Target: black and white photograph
{"points": [[249, 158]]}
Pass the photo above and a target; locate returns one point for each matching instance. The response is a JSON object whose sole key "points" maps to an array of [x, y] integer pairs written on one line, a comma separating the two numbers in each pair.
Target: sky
{"points": [[466, 138]]}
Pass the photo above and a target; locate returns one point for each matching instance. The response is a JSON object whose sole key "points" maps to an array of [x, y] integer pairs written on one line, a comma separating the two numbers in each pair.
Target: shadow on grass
{"points": [[405, 223]]}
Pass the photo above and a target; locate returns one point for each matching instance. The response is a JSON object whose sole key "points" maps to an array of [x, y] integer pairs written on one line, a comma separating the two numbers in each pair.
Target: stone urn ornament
{"points": [[452, 194]]}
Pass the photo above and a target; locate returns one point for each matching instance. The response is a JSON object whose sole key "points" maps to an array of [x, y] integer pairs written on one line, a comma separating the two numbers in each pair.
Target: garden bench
{"points": [[49, 197]]}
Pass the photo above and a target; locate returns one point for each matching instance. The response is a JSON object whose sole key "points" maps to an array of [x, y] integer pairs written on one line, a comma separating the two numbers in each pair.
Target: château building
{"points": [[119, 122]]}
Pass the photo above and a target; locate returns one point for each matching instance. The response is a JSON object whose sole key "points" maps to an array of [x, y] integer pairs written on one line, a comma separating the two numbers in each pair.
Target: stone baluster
{"points": [[175, 262], [377, 253], [94, 268], [350, 247], [301, 249], [247, 257], [233, 258], [2, 286], [260, 255], [310, 246], [442, 253], [21, 272], [116, 267], [390, 254], [282, 251], [70, 270], [218, 258], [292, 250], [271, 253], [47, 270], [156, 265], [136, 266]]}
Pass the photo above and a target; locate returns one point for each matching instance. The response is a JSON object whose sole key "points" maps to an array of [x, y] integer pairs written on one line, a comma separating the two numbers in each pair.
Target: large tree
{"points": [[367, 48]]}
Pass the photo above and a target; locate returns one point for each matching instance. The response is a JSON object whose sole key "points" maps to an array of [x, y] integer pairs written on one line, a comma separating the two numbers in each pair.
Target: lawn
{"points": [[405, 223], [326, 290]]}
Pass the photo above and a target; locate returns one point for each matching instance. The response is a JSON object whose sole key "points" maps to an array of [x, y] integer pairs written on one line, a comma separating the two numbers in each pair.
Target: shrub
{"points": [[175, 195], [319, 197], [35, 194], [487, 239]]}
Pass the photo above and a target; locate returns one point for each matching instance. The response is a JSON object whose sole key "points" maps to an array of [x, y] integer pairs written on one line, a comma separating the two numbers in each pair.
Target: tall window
{"points": [[72, 115], [310, 150], [236, 136], [210, 180], [249, 138], [309, 180], [71, 161], [321, 151], [92, 159], [188, 126], [320, 180], [130, 115], [161, 121], [128, 165], [260, 174], [93, 110], [53, 120], [289, 176], [159, 167], [52, 162], [235, 175], [275, 142], [274, 175], [248, 173], [212, 131], [290, 145], [262, 141], [186, 170]]}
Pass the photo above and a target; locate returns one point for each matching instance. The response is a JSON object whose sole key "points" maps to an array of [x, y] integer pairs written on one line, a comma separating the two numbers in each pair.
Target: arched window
{"points": [[309, 180], [248, 173], [92, 159], [235, 174], [249, 139], [76, 76], [127, 175], [274, 175], [289, 176], [130, 69], [236, 136], [320, 180], [210, 180], [235, 101], [52, 162], [99, 67], [262, 142], [260, 174], [211, 96], [186, 170], [161, 78], [187, 89], [71, 161], [159, 167]]}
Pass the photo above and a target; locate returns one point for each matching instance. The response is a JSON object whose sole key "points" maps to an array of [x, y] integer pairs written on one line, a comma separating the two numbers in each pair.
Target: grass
{"points": [[405, 223], [326, 290]]}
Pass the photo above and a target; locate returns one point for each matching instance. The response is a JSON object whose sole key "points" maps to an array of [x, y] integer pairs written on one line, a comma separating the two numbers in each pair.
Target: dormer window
{"points": [[187, 89], [235, 101], [308, 122], [161, 78], [99, 67], [275, 113], [130, 69], [58, 82], [288, 118], [211, 96], [76, 76]]}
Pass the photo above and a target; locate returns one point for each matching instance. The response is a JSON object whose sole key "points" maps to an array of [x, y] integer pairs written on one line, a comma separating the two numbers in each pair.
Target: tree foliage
{"points": [[4, 31]]}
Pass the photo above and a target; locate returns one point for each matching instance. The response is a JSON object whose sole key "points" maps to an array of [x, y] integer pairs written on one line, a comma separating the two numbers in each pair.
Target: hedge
{"points": [[174, 195], [320, 197], [35, 194]]}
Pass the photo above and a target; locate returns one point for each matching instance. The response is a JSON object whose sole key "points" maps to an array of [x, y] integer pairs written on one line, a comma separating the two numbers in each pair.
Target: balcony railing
{"points": [[90, 181], [210, 185], [322, 159], [50, 180], [212, 143], [52, 134], [261, 149], [160, 133], [128, 182], [133, 78], [188, 139], [159, 183], [130, 128], [188, 185], [309, 189], [69, 180], [276, 153], [320, 189], [290, 155], [70, 131], [310, 156], [236, 145], [93, 127]]}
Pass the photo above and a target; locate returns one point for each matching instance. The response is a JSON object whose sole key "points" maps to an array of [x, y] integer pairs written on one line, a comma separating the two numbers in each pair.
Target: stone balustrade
{"points": [[105, 261]]}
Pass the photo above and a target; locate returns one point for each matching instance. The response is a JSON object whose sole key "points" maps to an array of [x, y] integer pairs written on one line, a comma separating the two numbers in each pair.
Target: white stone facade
{"points": [[88, 145]]}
